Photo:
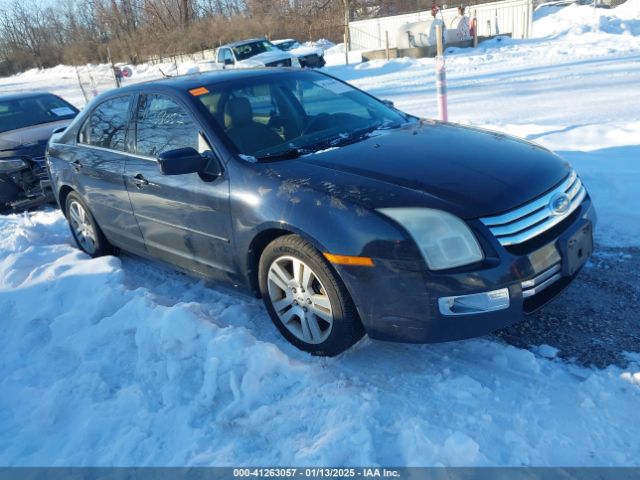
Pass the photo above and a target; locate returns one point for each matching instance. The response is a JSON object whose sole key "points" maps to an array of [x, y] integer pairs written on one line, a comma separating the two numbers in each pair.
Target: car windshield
{"points": [[288, 114], [27, 111], [249, 50], [288, 45]]}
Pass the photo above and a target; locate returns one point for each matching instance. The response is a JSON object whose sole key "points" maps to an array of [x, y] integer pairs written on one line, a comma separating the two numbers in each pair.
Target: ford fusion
{"points": [[344, 214]]}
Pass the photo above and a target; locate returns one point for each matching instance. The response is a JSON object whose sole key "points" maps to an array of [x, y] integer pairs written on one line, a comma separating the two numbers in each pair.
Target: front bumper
{"points": [[312, 61], [27, 188], [400, 301]]}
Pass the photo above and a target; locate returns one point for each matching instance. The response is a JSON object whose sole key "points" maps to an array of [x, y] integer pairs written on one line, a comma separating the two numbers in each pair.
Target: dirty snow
{"points": [[118, 361]]}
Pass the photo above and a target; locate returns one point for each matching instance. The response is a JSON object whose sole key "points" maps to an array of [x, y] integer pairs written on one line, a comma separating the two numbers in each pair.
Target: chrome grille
{"points": [[530, 220], [542, 281]]}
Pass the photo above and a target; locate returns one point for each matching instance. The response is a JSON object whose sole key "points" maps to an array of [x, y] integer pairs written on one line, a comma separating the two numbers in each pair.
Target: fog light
{"points": [[474, 303]]}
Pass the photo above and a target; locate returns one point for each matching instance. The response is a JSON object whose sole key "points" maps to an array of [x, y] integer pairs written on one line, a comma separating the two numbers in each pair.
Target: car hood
{"points": [[29, 138], [266, 57], [468, 171], [303, 51]]}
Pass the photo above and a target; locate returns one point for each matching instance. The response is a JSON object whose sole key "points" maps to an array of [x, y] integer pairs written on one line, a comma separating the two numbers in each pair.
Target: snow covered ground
{"points": [[115, 361], [118, 361]]}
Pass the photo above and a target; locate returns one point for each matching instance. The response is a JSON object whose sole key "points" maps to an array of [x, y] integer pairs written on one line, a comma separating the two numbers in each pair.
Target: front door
{"points": [[184, 219]]}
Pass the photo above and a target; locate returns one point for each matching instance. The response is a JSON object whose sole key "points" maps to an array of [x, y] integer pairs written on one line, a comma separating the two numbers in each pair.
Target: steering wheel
{"points": [[314, 123]]}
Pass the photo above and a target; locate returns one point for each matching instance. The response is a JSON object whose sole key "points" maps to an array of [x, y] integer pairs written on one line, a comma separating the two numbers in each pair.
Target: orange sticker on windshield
{"points": [[196, 92]]}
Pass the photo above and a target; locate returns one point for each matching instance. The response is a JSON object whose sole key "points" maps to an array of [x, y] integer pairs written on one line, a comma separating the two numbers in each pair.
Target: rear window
{"points": [[35, 110], [107, 125], [287, 45]]}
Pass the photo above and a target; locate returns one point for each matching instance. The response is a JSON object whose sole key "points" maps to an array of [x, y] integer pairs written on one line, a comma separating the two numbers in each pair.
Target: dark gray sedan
{"points": [[343, 213]]}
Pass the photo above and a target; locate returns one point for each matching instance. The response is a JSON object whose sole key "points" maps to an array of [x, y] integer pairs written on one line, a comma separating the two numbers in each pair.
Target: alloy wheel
{"points": [[300, 300], [82, 227]]}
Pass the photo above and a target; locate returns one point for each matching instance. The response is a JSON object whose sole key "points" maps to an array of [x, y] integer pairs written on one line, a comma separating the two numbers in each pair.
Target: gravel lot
{"points": [[596, 319]]}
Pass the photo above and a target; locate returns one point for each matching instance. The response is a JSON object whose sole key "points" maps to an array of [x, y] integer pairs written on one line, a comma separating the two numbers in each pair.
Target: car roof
{"points": [[243, 42], [196, 80], [283, 40], [21, 95]]}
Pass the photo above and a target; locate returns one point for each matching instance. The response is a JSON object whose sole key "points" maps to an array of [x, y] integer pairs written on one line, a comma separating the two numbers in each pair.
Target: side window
{"points": [[224, 54], [162, 124], [106, 126]]}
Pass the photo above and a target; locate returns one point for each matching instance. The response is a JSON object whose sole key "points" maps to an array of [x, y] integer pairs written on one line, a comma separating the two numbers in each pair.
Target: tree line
{"points": [[40, 34]]}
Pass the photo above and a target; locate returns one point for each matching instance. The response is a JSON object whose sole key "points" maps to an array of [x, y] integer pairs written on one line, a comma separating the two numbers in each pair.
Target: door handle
{"points": [[76, 165], [140, 181]]}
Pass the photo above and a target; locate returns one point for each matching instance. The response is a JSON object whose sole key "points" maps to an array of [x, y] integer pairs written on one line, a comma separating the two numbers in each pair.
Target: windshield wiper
{"points": [[350, 137], [339, 140], [331, 142], [283, 154]]}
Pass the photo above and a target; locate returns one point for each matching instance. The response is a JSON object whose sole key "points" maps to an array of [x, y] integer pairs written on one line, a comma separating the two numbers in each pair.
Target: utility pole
{"points": [[347, 34]]}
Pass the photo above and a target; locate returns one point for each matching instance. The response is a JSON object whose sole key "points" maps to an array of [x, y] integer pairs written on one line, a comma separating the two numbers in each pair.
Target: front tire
{"points": [[86, 232], [306, 299]]}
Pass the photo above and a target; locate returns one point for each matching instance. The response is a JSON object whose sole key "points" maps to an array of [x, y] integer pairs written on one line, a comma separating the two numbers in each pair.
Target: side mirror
{"points": [[389, 103], [228, 61], [181, 161]]}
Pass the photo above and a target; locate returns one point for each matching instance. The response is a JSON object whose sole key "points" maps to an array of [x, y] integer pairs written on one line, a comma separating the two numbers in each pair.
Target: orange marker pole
{"points": [[441, 78]]}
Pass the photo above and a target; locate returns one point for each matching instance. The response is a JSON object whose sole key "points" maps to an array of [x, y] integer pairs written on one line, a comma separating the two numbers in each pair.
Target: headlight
{"points": [[8, 165], [444, 240]]}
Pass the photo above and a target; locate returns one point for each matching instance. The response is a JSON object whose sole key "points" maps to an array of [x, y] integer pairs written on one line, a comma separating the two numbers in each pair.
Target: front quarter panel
{"points": [[320, 210], [324, 211]]}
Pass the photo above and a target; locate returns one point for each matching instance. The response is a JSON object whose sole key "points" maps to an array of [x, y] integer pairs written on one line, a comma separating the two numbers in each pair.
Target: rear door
{"points": [[99, 160], [184, 219]]}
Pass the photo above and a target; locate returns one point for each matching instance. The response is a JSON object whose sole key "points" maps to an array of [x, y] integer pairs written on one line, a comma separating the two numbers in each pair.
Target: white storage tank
{"points": [[458, 30], [419, 34]]}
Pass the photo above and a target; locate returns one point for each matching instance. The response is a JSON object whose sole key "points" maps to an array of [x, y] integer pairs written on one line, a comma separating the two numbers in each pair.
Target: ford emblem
{"points": [[559, 204]]}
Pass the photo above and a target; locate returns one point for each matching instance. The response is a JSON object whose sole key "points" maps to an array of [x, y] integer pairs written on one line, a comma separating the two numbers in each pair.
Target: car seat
{"points": [[249, 136]]}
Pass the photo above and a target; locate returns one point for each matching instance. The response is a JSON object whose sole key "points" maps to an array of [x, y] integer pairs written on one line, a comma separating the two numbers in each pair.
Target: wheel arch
{"points": [[63, 193], [260, 241]]}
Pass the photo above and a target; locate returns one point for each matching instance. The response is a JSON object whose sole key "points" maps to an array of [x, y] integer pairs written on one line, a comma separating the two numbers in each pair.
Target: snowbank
{"points": [[120, 362], [335, 55], [577, 19], [323, 44]]}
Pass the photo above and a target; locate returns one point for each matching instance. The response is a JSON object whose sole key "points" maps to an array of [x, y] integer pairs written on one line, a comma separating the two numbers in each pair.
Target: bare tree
{"points": [[37, 33]]}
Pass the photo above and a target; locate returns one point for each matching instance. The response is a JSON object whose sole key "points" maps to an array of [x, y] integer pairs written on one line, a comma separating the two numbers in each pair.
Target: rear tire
{"points": [[84, 228], [306, 299]]}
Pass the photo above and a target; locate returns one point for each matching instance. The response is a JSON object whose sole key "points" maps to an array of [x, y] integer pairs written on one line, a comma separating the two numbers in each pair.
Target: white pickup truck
{"points": [[256, 52], [308, 56]]}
